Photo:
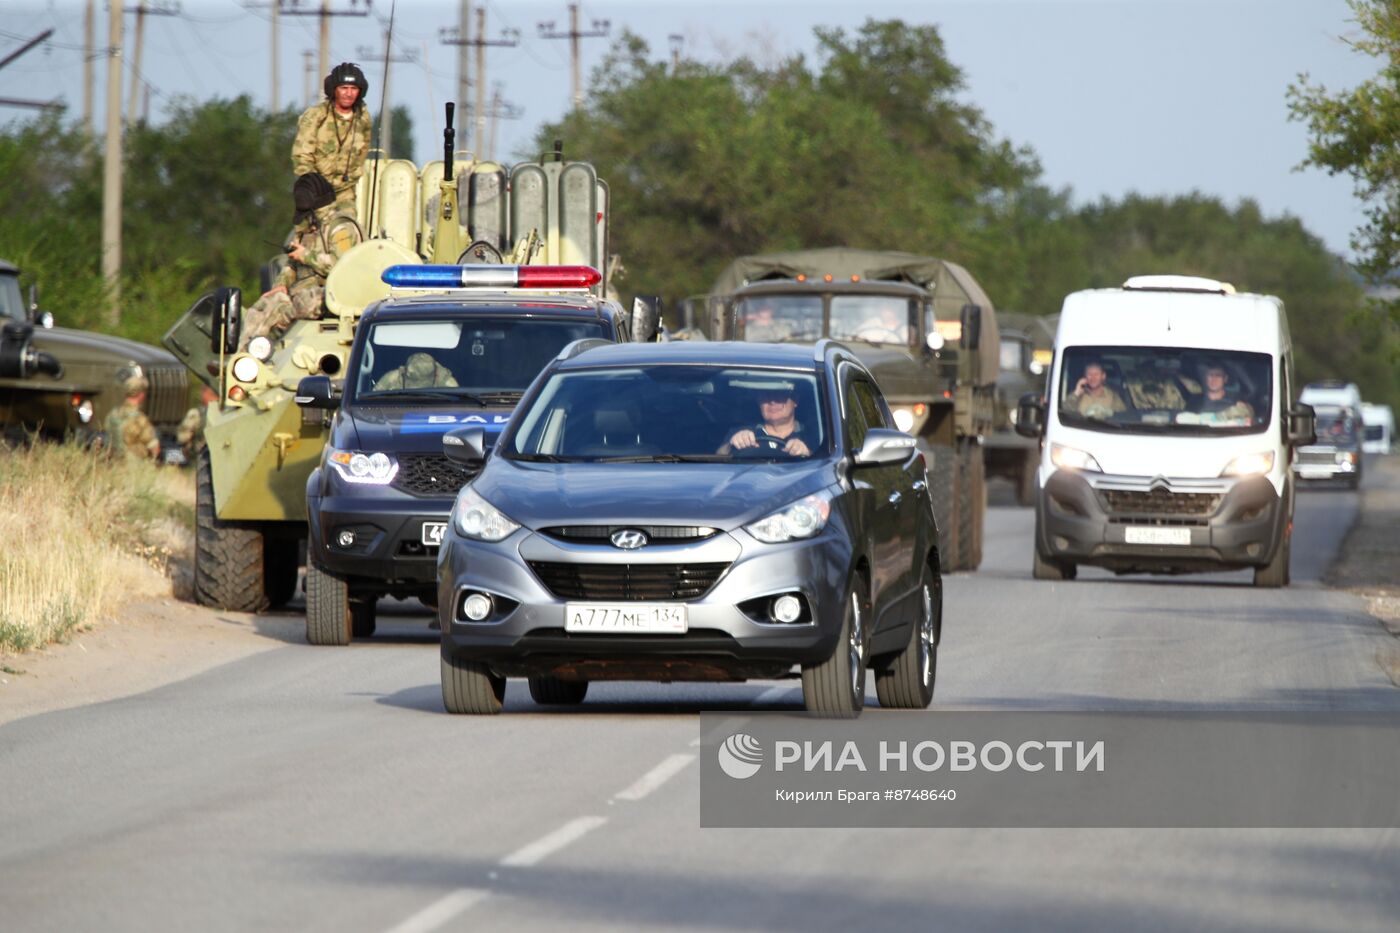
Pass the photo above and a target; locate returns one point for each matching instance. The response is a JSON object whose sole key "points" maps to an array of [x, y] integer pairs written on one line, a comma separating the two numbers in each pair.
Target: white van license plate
{"points": [[1136, 535], [433, 532], [625, 618]]}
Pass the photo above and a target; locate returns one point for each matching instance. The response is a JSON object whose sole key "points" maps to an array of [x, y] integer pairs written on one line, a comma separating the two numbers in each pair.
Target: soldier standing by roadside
{"points": [[129, 431], [190, 433], [333, 136]]}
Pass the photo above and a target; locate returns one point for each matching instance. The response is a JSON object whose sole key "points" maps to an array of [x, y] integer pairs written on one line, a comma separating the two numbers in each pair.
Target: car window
{"points": [[862, 412], [11, 302]]}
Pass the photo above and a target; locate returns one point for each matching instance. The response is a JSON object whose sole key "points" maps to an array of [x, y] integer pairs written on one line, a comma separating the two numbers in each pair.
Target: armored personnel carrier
{"points": [[260, 446]]}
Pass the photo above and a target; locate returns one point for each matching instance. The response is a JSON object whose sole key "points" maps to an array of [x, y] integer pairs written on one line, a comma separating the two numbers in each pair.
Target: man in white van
{"points": [[1092, 397], [1224, 405]]}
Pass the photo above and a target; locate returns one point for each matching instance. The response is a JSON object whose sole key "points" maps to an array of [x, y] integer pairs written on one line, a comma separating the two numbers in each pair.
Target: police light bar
{"points": [[490, 276]]}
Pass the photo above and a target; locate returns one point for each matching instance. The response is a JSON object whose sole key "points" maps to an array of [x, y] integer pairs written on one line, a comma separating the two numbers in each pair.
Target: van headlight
{"points": [[1250, 464], [480, 520], [1069, 458], [802, 519], [378, 469]]}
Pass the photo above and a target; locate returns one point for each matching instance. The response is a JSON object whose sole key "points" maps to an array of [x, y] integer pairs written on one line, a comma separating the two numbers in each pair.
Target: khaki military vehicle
{"points": [[926, 330], [1026, 343], [261, 447]]}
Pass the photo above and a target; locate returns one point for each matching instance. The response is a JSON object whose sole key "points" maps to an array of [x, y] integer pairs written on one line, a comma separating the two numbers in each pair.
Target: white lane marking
{"points": [[547, 845], [442, 911], [657, 776], [772, 693]]}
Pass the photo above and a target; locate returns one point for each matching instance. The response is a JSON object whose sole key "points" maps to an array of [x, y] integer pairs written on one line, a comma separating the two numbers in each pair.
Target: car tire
{"points": [[943, 492], [835, 688], [1274, 574], [228, 560], [551, 691], [469, 688], [1045, 568], [907, 680], [329, 619]]}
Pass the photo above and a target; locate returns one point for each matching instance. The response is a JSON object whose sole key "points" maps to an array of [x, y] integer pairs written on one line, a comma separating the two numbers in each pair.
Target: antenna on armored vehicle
{"points": [[379, 124]]}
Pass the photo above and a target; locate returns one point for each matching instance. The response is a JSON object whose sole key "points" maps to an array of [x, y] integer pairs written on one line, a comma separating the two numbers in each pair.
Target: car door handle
{"points": [[919, 485], [895, 497]]}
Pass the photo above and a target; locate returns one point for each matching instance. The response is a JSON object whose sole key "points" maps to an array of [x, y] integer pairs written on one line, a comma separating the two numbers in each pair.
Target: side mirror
{"points": [[1302, 426], [885, 445], [317, 392], [1030, 415], [466, 446], [228, 320], [971, 326], [646, 318]]}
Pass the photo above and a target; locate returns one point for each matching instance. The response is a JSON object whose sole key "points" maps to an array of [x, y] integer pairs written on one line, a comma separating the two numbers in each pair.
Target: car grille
{"points": [[1317, 457], [602, 534], [167, 400], [431, 475], [1159, 502], [627, 581]]}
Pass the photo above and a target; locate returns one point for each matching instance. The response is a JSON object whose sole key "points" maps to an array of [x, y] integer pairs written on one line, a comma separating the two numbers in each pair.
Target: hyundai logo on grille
{"points": [[629, 539]]}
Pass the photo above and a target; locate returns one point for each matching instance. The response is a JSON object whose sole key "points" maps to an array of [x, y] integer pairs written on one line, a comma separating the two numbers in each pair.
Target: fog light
{"points": [[1253, 550], [345, 538], [1061, 544], [786, 608], [476, 607]]}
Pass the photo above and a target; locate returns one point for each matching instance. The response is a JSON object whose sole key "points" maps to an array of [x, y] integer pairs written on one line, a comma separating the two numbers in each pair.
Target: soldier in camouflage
{"points": [[420, 371], [190, 433], [129, 432], [333, 137], [320, 237]]}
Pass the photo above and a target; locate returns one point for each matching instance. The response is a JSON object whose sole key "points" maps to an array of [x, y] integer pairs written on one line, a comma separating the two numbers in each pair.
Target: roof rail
{"points": [[578, 346], [1178, 283]]}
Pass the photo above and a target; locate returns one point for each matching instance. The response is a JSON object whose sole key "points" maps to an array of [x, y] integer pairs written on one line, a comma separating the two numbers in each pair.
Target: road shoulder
{"points": [[1368, 563]]}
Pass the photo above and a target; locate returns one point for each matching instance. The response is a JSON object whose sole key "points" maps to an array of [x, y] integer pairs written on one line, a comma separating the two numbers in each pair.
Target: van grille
{"points": [[431, 476], [1159, 502], [627, 581]]}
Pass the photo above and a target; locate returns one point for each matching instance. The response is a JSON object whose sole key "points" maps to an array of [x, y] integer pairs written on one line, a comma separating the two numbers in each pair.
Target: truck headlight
{"points": [[802, 519], [378, 469], [260, 348], [1068, 458], [476, 518], [909, 418], [1250, 464], [246, 369]]}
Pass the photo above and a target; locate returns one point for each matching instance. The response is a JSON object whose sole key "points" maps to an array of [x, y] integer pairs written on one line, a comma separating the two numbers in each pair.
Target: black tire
{"points": [[942, 479], [329, 619], [1045, 568], [907, 680], [280, 570], [972, 557], [1025, 479], [228, 560], [470, 688], [966, 507], [1274, 574], [835, 688], [551, 691]]}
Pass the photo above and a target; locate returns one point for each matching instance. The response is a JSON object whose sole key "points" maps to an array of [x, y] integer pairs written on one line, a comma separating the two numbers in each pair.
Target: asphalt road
{"points": [[325, 789]]}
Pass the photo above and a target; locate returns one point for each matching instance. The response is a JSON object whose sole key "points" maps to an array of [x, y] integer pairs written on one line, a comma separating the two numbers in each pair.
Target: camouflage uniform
{"points": [[325, 240], [190, 433], [335, 146], [1102, 404], [129, 432], [421, 371]]}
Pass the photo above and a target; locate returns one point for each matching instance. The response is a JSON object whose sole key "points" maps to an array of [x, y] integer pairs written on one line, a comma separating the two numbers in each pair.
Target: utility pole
{"points": [[599, 31], [464, 81], [386, 125], [308, 76], [294, 8], [89, 36], [112, 168], [677, 44], [509, 37], [274, 8], [164, 8], [500, 110]]}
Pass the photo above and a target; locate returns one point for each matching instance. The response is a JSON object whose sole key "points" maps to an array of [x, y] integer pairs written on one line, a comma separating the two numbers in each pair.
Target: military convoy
{"points": [[56, 382], [924, 327], [1026, 343]]}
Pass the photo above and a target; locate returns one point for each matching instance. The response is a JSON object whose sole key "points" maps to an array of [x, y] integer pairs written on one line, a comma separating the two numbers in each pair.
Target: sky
{"points": [[1158, 97]]}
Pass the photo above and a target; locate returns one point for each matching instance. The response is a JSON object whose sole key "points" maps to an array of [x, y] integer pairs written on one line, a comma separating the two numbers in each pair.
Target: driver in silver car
{"points": [[779, 431]]}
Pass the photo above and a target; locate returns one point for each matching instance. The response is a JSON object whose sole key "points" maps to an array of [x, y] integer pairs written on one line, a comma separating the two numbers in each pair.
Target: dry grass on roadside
{"points": [[80, 535]]}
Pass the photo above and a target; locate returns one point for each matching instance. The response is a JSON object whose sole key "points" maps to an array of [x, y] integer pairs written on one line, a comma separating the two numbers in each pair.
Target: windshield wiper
{"points": [[419, 393], [666, 458], [504, 395], [541, 458]]}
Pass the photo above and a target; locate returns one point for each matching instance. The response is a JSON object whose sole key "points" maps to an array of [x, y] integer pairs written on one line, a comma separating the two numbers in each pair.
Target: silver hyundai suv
{"points": [[693, 511]]}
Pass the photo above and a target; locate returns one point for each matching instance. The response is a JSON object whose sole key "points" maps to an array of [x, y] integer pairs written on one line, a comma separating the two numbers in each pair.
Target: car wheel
{"points": [[328, 608], [906, 682], [551, 691], [835, 688], [470, 688], [1274, 574], [1044, 568]]}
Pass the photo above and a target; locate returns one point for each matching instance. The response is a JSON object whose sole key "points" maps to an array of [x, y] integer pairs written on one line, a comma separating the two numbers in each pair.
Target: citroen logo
{"points": [[629, 539]]}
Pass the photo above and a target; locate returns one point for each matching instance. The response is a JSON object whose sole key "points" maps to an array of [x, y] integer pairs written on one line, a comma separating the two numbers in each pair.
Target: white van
{"points": [[1169, 432], [1379, 427]]}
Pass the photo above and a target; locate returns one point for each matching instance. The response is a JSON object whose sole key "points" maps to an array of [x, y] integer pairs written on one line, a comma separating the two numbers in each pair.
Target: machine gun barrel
{"points": [[448, 143]]}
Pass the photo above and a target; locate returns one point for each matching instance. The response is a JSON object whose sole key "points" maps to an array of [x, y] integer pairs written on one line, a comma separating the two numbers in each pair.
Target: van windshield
{"points": [[1166, 390]]}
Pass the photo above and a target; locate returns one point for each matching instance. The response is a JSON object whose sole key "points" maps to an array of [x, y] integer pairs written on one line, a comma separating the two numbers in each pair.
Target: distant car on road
{"points": [[1378, 423], [645, 517]]}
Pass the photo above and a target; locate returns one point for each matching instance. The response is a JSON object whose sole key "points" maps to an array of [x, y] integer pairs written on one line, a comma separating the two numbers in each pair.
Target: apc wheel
{"points": [[835, 688], [943, 491], [906, 682], [470, 688], [1274, 574], [328, 608], [551, 691], [228, 560]]}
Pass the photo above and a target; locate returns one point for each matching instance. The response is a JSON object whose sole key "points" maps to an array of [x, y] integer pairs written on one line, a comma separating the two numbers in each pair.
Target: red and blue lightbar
{"points": [[489, 276]]}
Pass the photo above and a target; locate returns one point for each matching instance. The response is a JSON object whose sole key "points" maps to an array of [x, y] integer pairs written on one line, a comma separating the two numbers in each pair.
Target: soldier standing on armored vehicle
{"points": [[129, 432], [333, 137], [320, 237]]}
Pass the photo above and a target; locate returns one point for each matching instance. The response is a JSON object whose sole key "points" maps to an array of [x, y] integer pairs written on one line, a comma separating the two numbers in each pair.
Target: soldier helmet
{"points": [[132, 379], [347, 73], [310, 193]]}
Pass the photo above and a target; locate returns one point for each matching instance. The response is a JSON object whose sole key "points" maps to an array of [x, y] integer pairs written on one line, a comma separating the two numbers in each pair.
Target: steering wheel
{"points": [[768, 444], [865, 334]]}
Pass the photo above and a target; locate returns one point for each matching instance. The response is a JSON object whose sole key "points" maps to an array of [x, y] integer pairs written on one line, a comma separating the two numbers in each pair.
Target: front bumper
{"points": [[1087, 518], [387, 531], [1321, 463], [723, 640]]}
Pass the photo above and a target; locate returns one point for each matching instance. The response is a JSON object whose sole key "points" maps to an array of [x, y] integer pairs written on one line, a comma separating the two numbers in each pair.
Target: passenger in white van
{"points": [[1223, 403], [1092, 397]]}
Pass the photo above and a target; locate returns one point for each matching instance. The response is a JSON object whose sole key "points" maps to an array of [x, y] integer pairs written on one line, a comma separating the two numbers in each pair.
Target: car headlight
{"points": [[802, 519], [246, 369], [260, 347], [377, 468], [476, 518], [1345, 456], [1068, 458], [1250, 464]]}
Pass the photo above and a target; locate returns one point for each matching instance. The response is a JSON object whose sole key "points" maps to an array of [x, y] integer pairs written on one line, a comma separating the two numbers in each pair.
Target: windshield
{"points": [[1166, 390], [672, 412], [11, 304], [872, 318], [489, 359], [1335, 425], [1012, 355], [774, 318]]}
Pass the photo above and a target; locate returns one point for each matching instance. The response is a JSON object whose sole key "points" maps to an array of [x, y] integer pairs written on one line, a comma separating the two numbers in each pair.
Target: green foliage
{"points": [[401, 120]]}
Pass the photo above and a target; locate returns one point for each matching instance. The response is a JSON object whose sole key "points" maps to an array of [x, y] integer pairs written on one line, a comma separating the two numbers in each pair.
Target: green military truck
{"points": [[56, 382], [1007, 453], [927, 331]]}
